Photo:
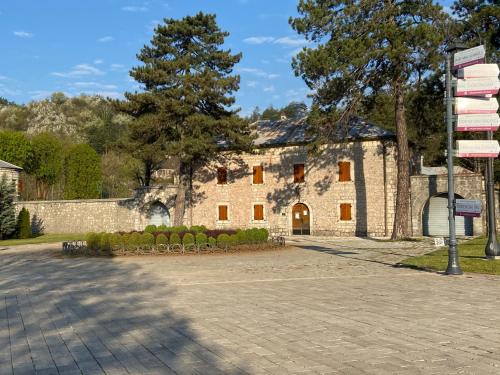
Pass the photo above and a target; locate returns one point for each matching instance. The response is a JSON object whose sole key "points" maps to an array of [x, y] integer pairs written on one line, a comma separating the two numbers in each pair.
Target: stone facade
{"points": [[11, 172], [371, 191]]}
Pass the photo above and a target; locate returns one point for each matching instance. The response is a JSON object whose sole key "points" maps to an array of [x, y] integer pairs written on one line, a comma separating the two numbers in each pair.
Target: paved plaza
{"points": [[321, 306]]}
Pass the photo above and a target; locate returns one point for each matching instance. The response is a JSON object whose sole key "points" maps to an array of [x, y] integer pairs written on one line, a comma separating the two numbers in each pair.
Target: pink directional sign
{"points": [[469, 57], [477, 149], [477, 122], [477, 86], [467, 207], [476, 105]]}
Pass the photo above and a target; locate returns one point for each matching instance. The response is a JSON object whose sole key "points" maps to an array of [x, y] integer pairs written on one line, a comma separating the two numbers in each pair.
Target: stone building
{"points": [[11, 172]]}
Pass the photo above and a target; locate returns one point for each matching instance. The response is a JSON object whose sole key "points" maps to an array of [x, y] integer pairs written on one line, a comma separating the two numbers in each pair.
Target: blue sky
{"points": [[89, 46]]}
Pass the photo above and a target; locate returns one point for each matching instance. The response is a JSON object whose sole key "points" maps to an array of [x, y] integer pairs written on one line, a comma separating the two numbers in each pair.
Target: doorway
{"points": [[301, 219]]}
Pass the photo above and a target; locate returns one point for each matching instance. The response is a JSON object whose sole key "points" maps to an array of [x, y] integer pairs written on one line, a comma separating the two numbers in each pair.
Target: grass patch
{"points": [[46, 238], [472, 259]]}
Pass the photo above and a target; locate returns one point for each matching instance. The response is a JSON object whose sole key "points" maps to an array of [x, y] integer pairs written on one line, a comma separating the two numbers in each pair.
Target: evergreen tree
{"points": [[364, 47], [185, 110], [83, 176], [23, 227], [7, 210], [15, 148]]}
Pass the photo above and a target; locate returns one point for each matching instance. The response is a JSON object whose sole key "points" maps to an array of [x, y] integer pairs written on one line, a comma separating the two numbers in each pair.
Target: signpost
{"points": [[470, 208], [477, 122], [475, 110]]}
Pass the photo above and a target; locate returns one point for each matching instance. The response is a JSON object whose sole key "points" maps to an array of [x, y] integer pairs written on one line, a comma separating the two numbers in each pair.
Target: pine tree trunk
{"points": [[400, 229], [180, 199]]}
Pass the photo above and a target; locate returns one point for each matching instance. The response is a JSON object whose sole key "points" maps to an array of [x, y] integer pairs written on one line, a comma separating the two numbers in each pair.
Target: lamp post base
{"points": [[492, 249], [454, 270]]}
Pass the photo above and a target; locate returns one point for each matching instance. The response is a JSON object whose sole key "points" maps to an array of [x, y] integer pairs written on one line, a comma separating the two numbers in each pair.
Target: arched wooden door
{"points": [[301, 219]]}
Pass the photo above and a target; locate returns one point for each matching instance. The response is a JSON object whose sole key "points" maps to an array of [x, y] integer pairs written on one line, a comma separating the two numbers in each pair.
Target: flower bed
{"points": [[163, 240]]}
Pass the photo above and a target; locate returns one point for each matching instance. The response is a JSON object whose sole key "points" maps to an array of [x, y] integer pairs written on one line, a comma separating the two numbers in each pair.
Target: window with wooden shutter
{"points": [[221, 176], [298, 173], [258, 174], [223, 213], [345, 211], [344, 171], [258, 212]]}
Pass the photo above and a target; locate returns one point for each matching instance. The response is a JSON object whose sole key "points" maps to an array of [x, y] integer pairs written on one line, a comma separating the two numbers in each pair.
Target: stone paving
{"points": [[324, 306]]}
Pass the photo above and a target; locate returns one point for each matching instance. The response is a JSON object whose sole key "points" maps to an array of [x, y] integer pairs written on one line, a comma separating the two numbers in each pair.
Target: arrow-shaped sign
{"points": [[475, 105], [477, 149], [477, 86], [469, 57], [478, 122], [479, 71]]}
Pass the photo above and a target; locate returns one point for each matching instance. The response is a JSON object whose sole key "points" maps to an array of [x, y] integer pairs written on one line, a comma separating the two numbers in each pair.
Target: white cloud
{"points": [[134, 9], [259, 39], [98, 61], [258, 73], [291, 42], [23, 34], [3, 78], [106, 39], [40, 94], [252, 83], [117, 67], [269, 88], [78, 71]]}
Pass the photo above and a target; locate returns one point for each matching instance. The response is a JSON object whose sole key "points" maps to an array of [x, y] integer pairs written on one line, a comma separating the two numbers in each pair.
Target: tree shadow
{"points": [[97, 316]]}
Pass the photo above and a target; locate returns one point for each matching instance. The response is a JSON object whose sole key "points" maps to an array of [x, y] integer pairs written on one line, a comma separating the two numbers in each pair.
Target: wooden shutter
{"points": [[258, 174], [345, 211], [222, 213], [258, 212], [298, 173], [221, 176], [344, 171]]}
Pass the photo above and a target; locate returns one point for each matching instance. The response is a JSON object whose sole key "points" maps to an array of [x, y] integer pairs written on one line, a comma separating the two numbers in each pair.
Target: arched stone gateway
{"points": [[159, 215], [301, 219], [435, 218]]}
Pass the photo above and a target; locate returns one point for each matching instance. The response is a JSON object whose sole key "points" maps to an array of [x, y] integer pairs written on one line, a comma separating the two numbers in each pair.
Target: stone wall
{"points": [[371, 192], [99, 215], [467, 186]]}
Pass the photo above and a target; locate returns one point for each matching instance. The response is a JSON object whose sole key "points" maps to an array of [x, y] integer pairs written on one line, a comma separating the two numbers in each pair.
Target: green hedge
{"points": [[105, 243]]}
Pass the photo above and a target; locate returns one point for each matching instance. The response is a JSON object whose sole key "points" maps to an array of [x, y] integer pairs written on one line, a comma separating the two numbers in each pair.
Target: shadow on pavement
{"points": [[96, 316]]}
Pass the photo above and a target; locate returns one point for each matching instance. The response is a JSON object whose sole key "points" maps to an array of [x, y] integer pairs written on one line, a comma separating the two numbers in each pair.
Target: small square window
{"points": [[345, 211], [344, 171], [223, 213], [298, 173], [258, 212], [221, 176], [258, 174]]}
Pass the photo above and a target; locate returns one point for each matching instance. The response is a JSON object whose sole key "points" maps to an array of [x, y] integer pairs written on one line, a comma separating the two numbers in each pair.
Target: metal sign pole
{"points": [[492, 249], [453, 263]]}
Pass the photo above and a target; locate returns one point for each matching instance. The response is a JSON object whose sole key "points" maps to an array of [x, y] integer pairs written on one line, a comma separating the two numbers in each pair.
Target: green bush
{"points": [[263, 235], [147, 239], [134, 241], [188, 239], [201, 239], [223, 240], [161, 239], [151, 228], [104, 243], [181, 228], [92, 240], [126, 241], [198, 229], [233, 240], [212, 241], [116, 241], [243, 237], [175, 239], [23, 225]]}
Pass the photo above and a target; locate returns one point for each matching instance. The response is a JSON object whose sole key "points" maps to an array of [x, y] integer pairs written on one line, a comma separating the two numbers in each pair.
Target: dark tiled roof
{"points": [[285, 132], [5, 165]]}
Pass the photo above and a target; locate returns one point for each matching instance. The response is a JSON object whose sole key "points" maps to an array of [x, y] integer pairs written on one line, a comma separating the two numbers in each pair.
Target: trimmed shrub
{"points": [[212, 241], [201, 239], [151, 228], [134, 241], [162, 228], [175, 239], [233, 240], [116, 241], [223, 240], [188, 239], [126, 241], [92, 240], [179, 229], [263, 235], [198, 229], [243, 237], [23, 224], [161, 239], [147, 239], [104, 243]]}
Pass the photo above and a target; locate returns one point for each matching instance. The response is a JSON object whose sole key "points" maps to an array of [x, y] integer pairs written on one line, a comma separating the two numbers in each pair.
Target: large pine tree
{"points": [[363, 47], [186, 108]]}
